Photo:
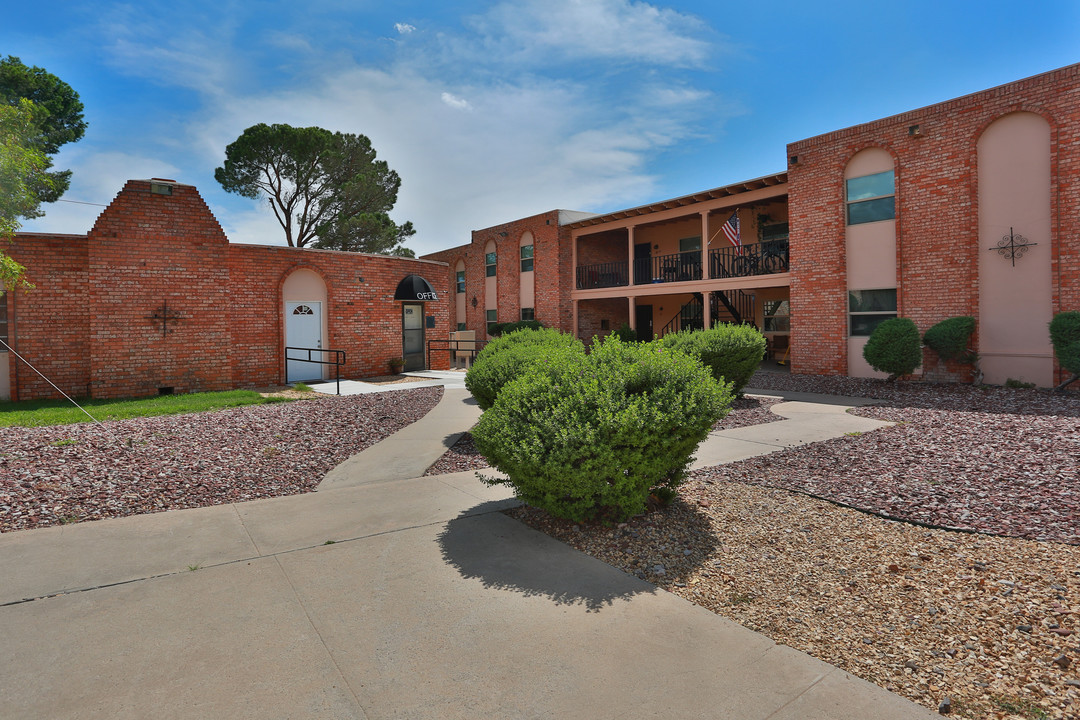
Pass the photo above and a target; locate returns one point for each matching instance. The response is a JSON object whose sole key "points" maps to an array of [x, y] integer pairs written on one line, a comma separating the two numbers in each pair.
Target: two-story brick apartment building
{"points": [[967, 207]]}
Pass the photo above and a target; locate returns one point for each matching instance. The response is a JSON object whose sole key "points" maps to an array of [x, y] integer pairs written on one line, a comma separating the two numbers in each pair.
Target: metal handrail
{"points": [[602, 275], [339, 360]]}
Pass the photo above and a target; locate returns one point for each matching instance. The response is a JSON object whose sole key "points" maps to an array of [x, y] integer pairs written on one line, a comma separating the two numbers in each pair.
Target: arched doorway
{"points": [[304, 294]]}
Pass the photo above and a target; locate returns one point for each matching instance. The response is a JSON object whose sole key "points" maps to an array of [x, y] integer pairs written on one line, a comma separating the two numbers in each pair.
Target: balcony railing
{"points": [[765, 258], [602, 275]]}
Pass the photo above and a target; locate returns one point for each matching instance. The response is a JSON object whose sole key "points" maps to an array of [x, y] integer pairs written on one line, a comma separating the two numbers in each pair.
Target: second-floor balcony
{"points": [[766, 258]]}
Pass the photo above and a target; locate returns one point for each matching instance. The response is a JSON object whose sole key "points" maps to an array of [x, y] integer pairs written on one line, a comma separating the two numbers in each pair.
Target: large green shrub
{"points": [[505, 358], [589, 436], [894, 347], [1065, 336], [625, 333], [506, 328], [950, 337], [732, 353]]}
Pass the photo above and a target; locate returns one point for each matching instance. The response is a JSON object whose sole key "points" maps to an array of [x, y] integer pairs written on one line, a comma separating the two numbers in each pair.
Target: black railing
{"points": [[766, 258], [337, 362], [739, 305], [602, 275], [468, 348], [677, 267]]}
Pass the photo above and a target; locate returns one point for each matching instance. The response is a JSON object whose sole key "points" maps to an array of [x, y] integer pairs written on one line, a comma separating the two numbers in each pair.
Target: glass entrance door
{"points": [[412, 336]]}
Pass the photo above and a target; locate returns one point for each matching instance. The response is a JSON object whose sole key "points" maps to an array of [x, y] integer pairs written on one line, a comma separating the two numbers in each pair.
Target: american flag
{"points": [[731, 232]]}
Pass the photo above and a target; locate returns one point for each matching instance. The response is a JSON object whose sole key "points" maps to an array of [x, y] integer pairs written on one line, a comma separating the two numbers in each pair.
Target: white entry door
{"points": [[303, 329]]}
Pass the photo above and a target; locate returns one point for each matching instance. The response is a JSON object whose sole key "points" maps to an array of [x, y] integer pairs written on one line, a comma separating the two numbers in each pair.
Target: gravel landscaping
{"points": [[974, 625], [72, 473], [744, 411]]}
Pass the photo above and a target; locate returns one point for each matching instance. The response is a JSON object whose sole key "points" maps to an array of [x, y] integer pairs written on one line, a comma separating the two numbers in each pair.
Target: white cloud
{"points": [[404, 28], [455, 102], [531, 141], [96, 179], [621, 30]]}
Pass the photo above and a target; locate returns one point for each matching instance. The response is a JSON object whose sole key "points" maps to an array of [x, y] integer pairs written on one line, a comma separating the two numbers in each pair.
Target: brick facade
{"points": [[89, 324], [937, 212], [551, 265]]}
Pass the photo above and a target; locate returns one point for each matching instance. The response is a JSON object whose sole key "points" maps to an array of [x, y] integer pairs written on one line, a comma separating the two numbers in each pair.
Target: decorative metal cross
{"points": [[164, 315], [1013, 246]]}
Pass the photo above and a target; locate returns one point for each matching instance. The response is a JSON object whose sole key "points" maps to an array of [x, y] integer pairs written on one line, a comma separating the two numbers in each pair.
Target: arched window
{"points": [[870, 198]]}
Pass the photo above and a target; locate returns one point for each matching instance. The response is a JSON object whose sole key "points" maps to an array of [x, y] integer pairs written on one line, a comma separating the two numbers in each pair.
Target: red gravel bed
{"points": [[72, 473], [744, 411], [991, 460], [748, 410]]}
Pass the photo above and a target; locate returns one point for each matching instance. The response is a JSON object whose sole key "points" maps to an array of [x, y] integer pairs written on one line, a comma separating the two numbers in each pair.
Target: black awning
{"points": [[415, 289]]}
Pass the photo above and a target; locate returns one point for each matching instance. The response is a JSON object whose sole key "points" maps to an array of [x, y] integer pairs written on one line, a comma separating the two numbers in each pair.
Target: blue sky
{"points": [[491, 111]]}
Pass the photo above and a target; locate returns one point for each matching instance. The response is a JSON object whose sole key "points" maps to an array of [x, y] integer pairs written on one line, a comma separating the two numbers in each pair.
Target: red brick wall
{"points": [[58, 313], [550, 260], [591, 313], [363, 318], [89, 325], [937, 213], [145, 251]]}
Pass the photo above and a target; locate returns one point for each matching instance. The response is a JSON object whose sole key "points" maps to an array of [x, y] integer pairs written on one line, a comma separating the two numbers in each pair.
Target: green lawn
{"points": [[36, 413]]}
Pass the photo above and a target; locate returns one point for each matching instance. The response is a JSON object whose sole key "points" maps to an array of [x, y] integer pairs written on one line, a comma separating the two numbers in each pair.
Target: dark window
{"points": [[526, 258], [690, 244], [869, 308], [528, 313], [461, 326], [492, 318], [489, 261], [777, 315], [871, 198], [461, 281], [3, 321]]}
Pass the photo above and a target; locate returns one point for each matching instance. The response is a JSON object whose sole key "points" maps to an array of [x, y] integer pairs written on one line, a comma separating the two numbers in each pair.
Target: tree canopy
{"points": [[58, 117], [23, 178], [326, 189]]}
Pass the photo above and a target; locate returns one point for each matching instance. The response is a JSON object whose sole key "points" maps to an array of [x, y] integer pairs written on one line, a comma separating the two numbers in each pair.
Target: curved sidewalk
{"points": [[403, 598]]}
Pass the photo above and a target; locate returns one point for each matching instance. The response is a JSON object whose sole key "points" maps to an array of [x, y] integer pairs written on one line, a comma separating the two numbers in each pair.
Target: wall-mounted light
{"points": [[793, 160], [914, 131], [503, 234], [474, 301]]}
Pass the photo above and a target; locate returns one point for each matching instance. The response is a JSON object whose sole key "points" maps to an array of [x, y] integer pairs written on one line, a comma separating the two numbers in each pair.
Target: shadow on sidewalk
{"points": [[504, 554]]}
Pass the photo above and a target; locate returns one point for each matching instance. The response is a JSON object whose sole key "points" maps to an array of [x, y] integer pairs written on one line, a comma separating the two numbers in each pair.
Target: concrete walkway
{"points": [[394, 598]]}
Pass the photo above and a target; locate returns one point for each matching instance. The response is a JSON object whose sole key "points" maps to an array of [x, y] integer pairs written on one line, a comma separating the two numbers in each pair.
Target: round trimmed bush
{"points": [[505, 358], [732, 353], [590, 436], [950, 337], [894, 347]]}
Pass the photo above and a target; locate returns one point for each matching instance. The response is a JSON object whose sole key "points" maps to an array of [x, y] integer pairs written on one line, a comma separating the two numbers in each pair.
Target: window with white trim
{"points": [[526, 258], [492, 317], [460, 278], [871, 198], [528, 313], [490, 260], [869, 308]]}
